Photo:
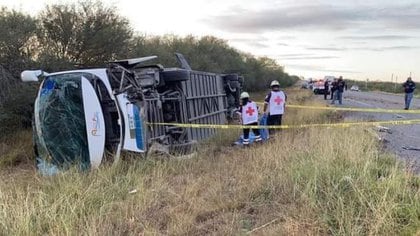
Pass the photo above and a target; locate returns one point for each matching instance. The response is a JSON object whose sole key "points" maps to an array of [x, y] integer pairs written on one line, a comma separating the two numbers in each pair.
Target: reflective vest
{"points": [[276, 103], [249, 113]]}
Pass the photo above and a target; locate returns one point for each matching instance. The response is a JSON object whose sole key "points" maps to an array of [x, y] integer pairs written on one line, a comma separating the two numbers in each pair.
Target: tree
{"points": [[212, 54], [86, 34], [17, 40], [17, 49], [89, 34]]}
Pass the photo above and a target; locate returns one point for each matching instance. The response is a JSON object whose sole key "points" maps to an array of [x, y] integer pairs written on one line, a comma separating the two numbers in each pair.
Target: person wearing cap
{"points": [[274, 105], [249, 116], [409, 87]]}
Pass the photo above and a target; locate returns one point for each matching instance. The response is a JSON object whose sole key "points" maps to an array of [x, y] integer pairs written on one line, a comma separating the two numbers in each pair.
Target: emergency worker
{"points": [[249, 116], [274, 105]]}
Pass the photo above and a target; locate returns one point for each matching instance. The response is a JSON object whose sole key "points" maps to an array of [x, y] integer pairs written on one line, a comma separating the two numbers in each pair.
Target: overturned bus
{"points": [[81, 116]]}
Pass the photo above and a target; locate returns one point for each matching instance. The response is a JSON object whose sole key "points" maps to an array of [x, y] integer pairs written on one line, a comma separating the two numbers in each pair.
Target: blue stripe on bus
{"points": [[139, 127]]}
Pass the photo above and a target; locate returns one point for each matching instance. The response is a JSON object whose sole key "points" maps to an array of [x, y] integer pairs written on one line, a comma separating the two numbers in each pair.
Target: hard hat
{"points": [[244, 95], [274, 83]]}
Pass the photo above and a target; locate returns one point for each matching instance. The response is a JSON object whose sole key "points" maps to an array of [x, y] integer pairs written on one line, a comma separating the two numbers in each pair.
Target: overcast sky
{"points": [[357, 39]]}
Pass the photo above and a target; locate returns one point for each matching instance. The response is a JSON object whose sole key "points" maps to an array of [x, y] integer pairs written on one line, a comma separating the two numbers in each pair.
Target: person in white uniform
{"points": [[274, 105], [249, 116]]}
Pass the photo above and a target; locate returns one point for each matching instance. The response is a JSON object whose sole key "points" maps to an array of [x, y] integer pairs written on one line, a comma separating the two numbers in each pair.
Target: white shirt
{"points": [[249, 113], [276, 103]]}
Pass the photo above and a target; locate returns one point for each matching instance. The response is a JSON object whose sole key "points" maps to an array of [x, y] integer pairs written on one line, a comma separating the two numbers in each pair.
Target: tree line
{"points": [[390, 87], [90, 34]]}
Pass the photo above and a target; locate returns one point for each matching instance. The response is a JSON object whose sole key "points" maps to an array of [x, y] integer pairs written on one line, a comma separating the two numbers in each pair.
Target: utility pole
{"points": [[392, 80], [367, 80], [395, 85]]}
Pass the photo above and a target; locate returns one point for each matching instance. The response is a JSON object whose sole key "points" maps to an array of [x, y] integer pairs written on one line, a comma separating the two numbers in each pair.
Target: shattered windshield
{"points": [[60, 121]]}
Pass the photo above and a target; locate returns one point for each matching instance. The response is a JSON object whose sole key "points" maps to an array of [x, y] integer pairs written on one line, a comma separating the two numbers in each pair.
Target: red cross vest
{"points": [[249, 113], [276, 103]]}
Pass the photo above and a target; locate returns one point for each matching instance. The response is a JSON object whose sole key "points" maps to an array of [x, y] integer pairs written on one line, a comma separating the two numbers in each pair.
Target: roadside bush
{"points": [[380, 86], [17, 109]]}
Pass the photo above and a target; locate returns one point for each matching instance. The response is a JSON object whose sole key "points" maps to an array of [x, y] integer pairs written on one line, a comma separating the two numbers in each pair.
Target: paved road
{"points": [[399, 136]]}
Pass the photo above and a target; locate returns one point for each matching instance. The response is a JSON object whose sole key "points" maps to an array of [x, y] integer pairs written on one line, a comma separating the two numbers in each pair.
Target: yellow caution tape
{"points": [[336, 125], [378, 110]]}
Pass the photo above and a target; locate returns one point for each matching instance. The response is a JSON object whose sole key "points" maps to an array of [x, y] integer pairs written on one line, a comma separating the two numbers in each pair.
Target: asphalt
{"points": [[396, 139]]}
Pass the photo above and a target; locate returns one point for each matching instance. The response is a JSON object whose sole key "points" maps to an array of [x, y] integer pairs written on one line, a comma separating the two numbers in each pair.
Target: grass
{"points": [[305, 182], [16, 149]]}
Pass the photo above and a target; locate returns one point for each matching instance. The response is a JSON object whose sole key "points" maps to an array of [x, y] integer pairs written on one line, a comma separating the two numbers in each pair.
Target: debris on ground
{"points": [[384, 129], [133, 191], [411, 148], [374, 134]]}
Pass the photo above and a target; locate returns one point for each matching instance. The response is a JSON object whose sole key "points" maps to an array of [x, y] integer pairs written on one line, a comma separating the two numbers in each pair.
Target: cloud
{"points": [[304, 67], [249, 39], [378, 37], [256, 42], [341, 71], [308, 57], [373, 48], [284, 18], [317, 68], [319, 17], [327, 48], [293, 55], [388, 48], [286, 37]]}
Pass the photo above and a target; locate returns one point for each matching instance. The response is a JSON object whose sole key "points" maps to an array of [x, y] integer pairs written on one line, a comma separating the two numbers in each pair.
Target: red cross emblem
{"points": [[250, 111], [278, 100]]}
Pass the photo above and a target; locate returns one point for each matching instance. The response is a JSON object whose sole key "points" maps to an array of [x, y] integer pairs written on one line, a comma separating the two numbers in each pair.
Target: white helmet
{"points": [[244, 95], [274, 83]]}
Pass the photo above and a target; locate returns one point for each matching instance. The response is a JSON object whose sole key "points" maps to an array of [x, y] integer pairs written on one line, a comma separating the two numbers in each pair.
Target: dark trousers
{"points": [[332, 94], [408, 98], [340, 97], [256, 131], [325, 93], [273, 120]]}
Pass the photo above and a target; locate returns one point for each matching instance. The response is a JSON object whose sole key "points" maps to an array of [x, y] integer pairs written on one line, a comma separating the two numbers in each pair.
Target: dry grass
{"points": [[16, 149], [305, 182]]}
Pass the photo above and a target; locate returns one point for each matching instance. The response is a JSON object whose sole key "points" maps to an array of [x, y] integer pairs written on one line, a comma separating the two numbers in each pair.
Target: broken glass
{"points": [[60, 130]]}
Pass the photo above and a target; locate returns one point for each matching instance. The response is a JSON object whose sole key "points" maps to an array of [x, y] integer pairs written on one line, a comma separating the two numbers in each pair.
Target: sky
{"points": [[369, 39]]}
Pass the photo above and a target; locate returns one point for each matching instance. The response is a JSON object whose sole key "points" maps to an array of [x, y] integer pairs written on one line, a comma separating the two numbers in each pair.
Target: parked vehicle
{"points": [[355, 88], [305, 85], [318, 87], [81, 115]]}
